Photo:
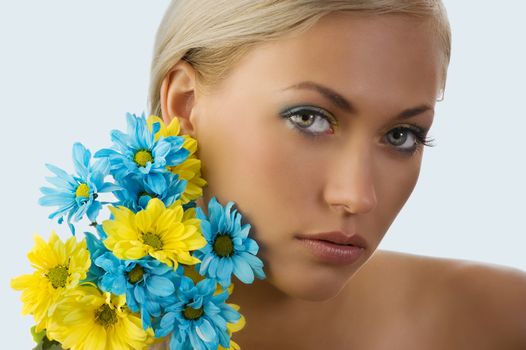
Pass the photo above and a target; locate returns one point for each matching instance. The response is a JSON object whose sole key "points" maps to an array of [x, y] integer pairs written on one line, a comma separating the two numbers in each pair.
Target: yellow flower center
{"points": [[82, 190], [153, 240], [135, 274], [223, 246], [58, 276], [192, 314], [105, 316], [142, 157]]}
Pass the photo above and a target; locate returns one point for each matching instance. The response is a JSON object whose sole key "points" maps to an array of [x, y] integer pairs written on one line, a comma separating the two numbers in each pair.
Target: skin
{"points": [[352, 177]]}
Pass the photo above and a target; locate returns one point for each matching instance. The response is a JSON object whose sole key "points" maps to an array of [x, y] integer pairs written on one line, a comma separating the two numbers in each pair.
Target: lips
{"points": [[337, 237], [335, 248]]}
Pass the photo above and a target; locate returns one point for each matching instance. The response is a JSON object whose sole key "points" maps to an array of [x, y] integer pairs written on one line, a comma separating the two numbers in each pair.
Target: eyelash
{"points": [[421, 139]]}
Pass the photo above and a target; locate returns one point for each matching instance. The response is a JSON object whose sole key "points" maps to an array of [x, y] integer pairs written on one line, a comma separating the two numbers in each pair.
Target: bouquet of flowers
{"points": [[157, 266]]}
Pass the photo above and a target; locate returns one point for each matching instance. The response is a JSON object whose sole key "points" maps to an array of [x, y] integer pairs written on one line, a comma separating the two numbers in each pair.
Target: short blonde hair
{"points": [[212, 35]]}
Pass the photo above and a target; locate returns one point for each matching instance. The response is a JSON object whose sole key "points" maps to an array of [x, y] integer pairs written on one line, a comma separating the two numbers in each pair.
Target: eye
{"points": [[408, 139], [309, 120]]}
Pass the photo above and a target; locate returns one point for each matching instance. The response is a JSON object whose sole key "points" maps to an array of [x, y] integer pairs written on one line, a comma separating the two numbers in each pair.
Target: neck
{"points": [[271, 315], [259, 296]]}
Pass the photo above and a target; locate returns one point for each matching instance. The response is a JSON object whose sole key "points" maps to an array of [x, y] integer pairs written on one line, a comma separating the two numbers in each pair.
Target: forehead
{"points": [[393, 57]]}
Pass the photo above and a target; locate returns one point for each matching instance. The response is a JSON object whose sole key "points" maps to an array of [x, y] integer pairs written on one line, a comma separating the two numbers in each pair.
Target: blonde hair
{"points": [[212, 35]]}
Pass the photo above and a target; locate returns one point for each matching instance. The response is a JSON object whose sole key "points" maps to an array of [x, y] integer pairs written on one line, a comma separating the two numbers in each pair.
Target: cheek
{"points": [[395, 182], [244, 160]]}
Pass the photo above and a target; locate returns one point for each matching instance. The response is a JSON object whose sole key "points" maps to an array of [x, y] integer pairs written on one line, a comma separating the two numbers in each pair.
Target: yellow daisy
{"points": [[167, 234], [88, 319], [190, 169], [59, 268]]}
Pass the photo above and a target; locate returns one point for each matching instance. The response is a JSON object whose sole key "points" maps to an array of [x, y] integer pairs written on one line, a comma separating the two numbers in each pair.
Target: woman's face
{"points": [[299, 162]]}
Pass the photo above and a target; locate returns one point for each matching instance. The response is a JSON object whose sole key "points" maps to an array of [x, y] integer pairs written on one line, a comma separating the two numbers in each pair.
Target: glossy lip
{"points": [[337, 237], [334, 247]]}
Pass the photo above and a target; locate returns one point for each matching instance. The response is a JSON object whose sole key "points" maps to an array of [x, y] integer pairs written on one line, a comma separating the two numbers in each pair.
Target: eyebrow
{"points": [[344, 104]]}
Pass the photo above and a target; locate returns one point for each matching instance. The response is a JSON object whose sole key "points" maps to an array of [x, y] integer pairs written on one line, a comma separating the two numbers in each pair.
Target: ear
{"points": [[178, 96]]}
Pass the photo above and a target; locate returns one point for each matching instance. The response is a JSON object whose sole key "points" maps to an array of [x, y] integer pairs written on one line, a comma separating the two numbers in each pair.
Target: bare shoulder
{"points": [[482, 299], [494, 295]]}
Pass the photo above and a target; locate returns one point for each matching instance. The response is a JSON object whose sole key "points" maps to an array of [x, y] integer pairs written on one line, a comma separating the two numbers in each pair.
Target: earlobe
{"points": [[177, 96]]}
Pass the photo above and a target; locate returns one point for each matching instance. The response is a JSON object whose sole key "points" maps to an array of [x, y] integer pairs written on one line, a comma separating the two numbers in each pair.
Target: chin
{"points": [[310, 286]]}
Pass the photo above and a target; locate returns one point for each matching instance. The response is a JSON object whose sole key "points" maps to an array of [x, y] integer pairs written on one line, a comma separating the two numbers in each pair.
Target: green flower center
{"points": [[142, 157], [58, 276], [192, 314], [223, 246], [135, 274], [153, 240], [82, 191], [105, 316]]}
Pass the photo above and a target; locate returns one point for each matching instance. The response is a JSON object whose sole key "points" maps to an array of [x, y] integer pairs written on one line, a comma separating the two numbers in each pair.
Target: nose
{"points": [[350, 183]]}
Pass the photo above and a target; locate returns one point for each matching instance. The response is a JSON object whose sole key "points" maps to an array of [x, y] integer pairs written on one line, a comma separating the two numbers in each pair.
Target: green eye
{"points": [[400, 136], [412, 137], [309, 120]]}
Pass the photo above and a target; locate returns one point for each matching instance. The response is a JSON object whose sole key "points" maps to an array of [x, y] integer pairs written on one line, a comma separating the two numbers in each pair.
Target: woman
{"points": [[312, 116]]}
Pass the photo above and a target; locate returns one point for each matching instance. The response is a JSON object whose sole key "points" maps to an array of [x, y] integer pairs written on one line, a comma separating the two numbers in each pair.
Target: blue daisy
{"points": [[76, 195], [135, 193], [147, 283], [138, 152], [96, 248], [229, 249], [198, 318]]}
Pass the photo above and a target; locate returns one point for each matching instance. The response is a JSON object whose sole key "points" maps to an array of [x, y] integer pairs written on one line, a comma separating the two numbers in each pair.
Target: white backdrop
{"points": [[69, 70]]}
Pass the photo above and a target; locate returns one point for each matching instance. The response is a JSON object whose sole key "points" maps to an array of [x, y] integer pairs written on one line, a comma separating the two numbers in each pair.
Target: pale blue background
{"points": [[70, 70]]}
